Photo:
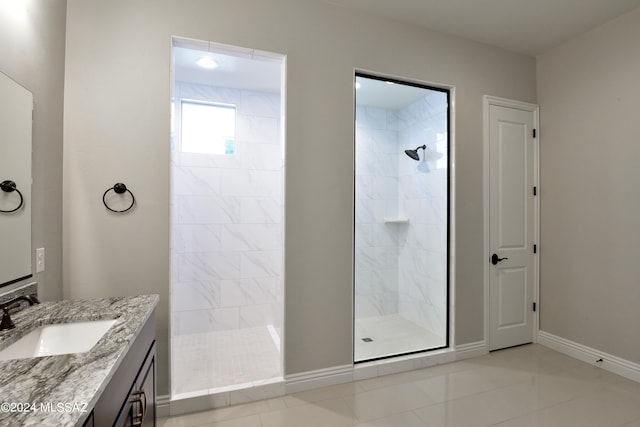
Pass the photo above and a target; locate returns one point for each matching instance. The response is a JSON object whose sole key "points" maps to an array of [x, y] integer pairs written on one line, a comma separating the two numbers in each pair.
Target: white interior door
{"points": [[511, 226]]}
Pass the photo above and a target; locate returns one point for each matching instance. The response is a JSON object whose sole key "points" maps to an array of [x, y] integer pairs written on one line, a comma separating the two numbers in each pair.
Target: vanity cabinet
{"points": [[139, 408], [130, 397]]}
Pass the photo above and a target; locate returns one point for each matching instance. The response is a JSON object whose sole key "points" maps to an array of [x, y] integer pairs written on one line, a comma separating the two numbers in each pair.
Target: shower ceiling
{"points": [[381, 94], [233, 71]]}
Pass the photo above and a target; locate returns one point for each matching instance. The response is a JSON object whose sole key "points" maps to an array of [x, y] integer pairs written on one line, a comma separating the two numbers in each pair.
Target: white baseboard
{"points": [[162, 405], [473, 349], [320, 378], [590, 355]]}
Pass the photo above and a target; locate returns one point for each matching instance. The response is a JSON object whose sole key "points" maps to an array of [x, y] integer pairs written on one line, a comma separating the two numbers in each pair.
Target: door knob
{"points": [[495, 259]]}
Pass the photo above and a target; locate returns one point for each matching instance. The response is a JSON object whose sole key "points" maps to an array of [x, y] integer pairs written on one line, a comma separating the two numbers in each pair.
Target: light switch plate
{"points": [[39, 260]]}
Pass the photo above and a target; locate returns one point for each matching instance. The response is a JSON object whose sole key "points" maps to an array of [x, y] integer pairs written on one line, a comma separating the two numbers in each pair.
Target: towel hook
{"points": [[9, 186], [118, 188]]}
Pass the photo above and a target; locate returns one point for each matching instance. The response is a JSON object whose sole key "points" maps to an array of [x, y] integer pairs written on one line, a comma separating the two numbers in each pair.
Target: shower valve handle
{"points": [[495, 259]]}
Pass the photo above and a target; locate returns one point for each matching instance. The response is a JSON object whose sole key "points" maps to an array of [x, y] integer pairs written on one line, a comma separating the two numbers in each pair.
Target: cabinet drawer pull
{"points": [[139, 397]]}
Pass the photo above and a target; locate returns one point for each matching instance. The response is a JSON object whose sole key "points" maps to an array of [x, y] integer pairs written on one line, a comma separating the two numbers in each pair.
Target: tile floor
{"points": [[223, 360], [391, 335], [518, 387]]}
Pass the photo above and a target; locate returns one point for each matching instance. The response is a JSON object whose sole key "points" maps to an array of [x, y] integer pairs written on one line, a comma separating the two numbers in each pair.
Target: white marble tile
{"points": [[261, 264], [366, 306], [195, 181], [252, 316], [392, 334], [258, 129], [364, 186], [175, 268], [365, 210], [364, 235], [207, 160], [262, 157], [371, 117], [385, 188], [385, 235], [209, 266], [260, 210], [250, 237], [208, 210], [209, 93], [363, 281], [244, 292], [201, 295], [195, 238], [260, 104], [387, 164], [251, 183], [366, 163], [200, 321], [221, 362], [385, 141]]}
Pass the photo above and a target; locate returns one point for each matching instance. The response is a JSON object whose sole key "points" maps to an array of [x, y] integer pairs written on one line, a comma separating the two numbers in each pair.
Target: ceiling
{"points": [[237, 68], [525, 26], [388, 94]]}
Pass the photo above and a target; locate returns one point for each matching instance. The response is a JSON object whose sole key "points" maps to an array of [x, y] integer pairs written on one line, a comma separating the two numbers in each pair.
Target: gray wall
{"points": [[589, 92], [32, 54], [117, 129]]}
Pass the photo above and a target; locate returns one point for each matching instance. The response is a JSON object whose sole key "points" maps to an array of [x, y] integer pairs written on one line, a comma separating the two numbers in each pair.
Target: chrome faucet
{"points": [[6, 322]]}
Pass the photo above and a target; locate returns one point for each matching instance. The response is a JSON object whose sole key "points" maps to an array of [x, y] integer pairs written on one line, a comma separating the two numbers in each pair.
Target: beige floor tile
{"points": [[487, 408], [521, 387], [404, 419], [383, 402], [416, 375], [323, 414], [603, 408], [320, 394], [471, 381], [224, 414], [250, 421]]}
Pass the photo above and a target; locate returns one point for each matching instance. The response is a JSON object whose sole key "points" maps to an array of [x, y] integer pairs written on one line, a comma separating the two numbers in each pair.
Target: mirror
{"points": [[16, 116]]}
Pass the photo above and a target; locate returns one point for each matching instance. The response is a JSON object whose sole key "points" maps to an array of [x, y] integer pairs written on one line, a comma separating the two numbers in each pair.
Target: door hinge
{"points": [[534, 306], [534, 133], [535, 191], [535, 249]]}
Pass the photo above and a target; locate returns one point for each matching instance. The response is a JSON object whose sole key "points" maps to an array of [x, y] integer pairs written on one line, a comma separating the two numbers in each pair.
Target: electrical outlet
{"points": [[39, 260]]}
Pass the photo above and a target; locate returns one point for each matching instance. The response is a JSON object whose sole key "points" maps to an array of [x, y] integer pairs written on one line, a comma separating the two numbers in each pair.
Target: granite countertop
{"points": [[54, 390]]}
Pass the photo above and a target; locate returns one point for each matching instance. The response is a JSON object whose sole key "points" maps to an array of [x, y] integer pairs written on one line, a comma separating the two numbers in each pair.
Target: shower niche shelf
{"points": [[396, 220]]}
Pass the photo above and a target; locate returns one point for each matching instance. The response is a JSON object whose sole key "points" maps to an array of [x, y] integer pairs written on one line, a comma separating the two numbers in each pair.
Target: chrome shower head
{"points": [[414, 153]]}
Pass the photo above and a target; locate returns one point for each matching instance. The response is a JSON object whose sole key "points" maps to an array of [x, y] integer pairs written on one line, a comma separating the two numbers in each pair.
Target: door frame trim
{"points": [[533, 108]]}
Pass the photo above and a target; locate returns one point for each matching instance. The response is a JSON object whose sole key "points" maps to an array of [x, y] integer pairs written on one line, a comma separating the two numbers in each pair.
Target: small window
{"points": [[208, 128]]}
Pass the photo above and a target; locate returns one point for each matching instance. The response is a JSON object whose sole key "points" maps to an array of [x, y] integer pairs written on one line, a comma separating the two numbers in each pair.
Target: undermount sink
{"points": [[59, 338]]}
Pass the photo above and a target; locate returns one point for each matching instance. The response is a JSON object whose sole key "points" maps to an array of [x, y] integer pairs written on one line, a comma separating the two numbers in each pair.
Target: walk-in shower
{"points": [[401, 217], [227, 199]]}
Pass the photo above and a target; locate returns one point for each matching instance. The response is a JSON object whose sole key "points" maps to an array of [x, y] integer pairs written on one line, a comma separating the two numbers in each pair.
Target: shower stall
{"points": [[401, 228], [227, 198]]}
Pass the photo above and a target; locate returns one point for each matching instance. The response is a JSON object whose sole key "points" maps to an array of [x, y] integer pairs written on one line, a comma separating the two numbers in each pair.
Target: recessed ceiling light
{"points": [[207, 62]]}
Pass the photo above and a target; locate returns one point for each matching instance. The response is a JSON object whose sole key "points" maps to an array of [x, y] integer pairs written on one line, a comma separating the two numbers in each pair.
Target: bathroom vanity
{"points": [[111, 384]]}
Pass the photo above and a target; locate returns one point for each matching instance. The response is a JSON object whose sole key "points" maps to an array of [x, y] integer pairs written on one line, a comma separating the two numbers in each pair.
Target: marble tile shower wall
{"points": [[400, 268], [422, 283], [227, 210], [376, 186]]}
